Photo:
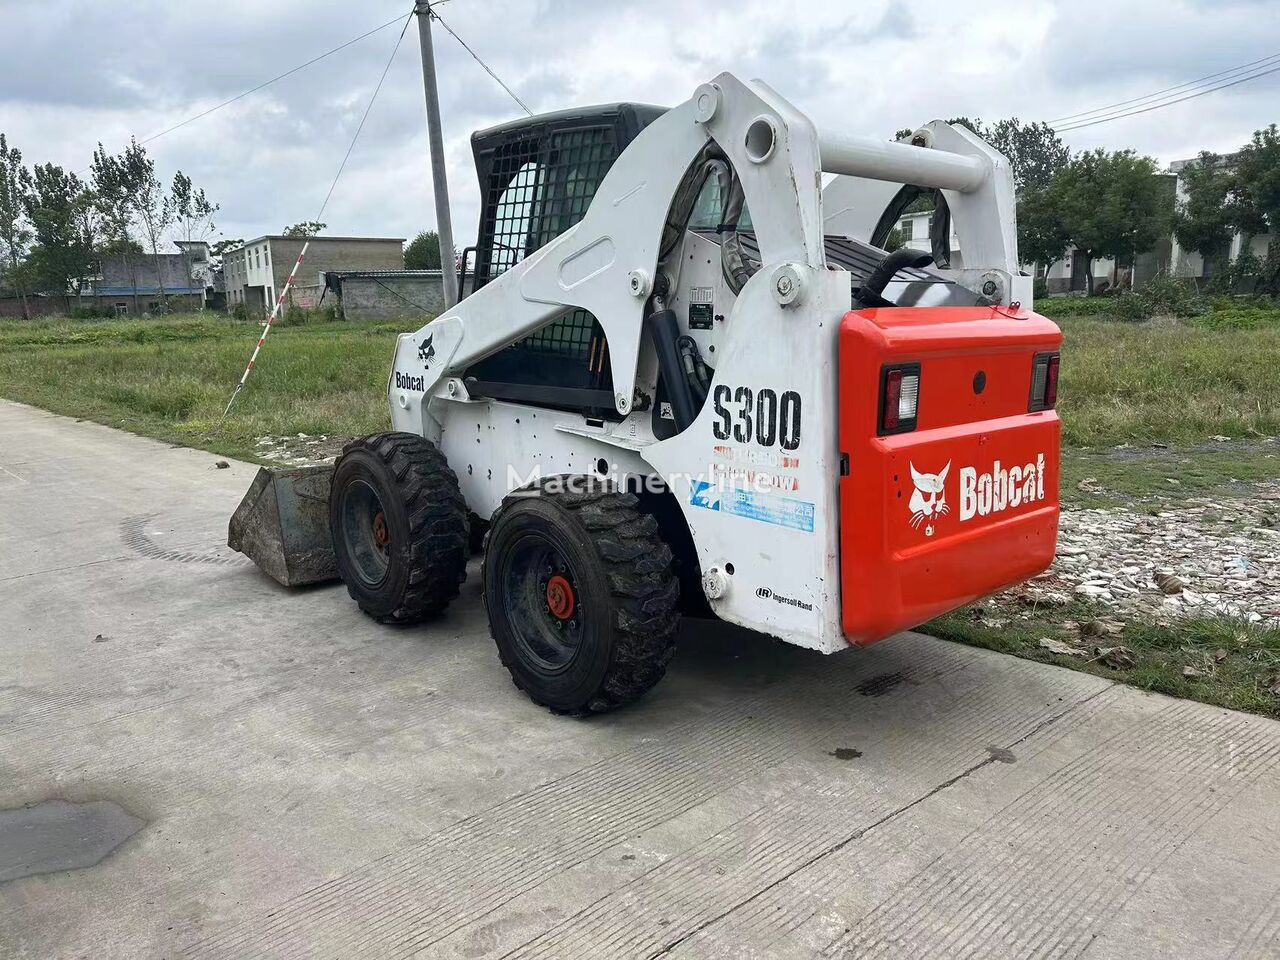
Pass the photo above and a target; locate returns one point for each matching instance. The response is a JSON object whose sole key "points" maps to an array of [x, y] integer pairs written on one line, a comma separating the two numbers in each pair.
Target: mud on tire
{"points": [[399, 527], [581, 596]]}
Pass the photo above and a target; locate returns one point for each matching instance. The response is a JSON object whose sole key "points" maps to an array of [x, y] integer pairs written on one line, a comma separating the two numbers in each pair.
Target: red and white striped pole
{"points": [[275, 312]]}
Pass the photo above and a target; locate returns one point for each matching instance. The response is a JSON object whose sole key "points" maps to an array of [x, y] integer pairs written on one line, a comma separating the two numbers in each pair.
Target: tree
{"points": [[54, 206], [114, 201], [15, 185], [1258, 172], [974, 125], [307, 228], [1042, 234], [1035, 152], [423, 252], [88, 233], [193, 216], [152, 206], [1111, 205], [1258, 193], [1206, 217], [121, 248]]}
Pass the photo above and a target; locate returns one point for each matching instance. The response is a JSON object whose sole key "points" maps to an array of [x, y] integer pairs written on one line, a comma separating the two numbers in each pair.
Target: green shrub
{"points": [[240, 312], [1161, 296], [91, 313], [1165, 295], [294, 316], [1059, 308], [1241, 317], [1130, 306]]}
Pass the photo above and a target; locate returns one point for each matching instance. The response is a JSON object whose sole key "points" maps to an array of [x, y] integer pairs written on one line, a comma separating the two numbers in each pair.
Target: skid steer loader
{"points": [[690, 377]]}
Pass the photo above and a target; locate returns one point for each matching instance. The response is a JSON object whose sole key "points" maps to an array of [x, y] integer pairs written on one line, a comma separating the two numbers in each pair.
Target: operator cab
{"points": [[537, 178]]}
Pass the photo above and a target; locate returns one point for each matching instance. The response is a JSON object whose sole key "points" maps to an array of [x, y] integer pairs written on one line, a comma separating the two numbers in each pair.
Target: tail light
{"points": [[1044, 382], [899, 398], [1051, 383]]}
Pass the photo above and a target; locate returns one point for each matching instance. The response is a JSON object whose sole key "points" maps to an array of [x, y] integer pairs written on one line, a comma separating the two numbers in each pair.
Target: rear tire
{"points": [[399, 527], [581, 597]]}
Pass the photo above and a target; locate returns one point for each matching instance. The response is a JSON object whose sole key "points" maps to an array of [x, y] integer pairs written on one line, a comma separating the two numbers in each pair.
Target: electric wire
{"points": [[338, 176], [1159, 93], [360, 126], [267, 83], [511, 93], [1168, 103]]}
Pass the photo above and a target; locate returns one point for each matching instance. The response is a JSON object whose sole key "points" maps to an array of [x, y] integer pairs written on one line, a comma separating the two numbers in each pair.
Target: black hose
{"points": [[666, 336], [691, 360], [900, 259]]}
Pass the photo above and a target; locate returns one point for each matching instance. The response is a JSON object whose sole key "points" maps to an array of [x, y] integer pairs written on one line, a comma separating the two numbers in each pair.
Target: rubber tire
{"points": [[625, 580], [428, 522]]}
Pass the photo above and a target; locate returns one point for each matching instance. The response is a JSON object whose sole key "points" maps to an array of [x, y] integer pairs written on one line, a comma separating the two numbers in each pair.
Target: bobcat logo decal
{"points": [[929, 499], [427, 351]]}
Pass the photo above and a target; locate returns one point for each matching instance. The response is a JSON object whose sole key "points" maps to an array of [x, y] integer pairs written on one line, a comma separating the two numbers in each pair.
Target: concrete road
{"points": [[235, 770]]}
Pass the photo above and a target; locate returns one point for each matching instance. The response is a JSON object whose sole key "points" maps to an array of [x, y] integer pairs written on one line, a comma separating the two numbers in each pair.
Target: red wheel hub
{"points": [[381, 535], [560, 598]]}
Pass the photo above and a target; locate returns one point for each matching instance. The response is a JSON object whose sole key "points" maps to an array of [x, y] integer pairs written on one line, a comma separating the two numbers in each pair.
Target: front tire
{"points": [[581, 597], [399, 527]]}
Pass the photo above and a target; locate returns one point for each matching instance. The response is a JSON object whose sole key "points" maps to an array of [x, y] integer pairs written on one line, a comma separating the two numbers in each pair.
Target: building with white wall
{"points": [[255, 273]]}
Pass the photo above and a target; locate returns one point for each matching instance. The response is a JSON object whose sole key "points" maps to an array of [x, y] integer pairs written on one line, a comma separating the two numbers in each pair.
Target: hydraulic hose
{"points": [[902, 258], [736, 266], [666, 337]]}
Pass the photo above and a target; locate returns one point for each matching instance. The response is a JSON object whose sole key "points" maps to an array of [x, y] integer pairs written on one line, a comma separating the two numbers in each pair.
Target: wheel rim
{"points": [[544, 604], [366, 534]]}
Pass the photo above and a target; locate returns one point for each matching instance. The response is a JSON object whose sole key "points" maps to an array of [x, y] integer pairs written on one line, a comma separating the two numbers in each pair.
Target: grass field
{"points": [[171, 377], [1177, 383], [1237, 664], [1164, 393]]}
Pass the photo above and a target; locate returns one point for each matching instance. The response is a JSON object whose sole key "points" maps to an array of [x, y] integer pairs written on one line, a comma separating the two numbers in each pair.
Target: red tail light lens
{"points": [[1051, 383], [1044, 382], [892, 398], [899, 398]]}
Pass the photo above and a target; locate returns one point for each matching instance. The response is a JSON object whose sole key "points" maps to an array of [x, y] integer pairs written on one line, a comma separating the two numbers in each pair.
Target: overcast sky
{"points": [[75, 72]]}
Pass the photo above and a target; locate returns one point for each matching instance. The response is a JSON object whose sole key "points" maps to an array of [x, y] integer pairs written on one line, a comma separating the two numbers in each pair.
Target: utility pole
{"points": [[440, 186]]}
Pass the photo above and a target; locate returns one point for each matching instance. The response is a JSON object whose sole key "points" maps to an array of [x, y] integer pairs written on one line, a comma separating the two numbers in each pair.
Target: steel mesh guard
{"points": [[540, 186]]}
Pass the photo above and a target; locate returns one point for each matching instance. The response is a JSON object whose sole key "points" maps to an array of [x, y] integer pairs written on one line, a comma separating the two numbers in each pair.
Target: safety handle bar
{"points": [[900, 163]]}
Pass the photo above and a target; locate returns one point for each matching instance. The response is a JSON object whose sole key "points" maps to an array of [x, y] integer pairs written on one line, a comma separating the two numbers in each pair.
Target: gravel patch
{"points": [[1188, 557], [299, 450]]}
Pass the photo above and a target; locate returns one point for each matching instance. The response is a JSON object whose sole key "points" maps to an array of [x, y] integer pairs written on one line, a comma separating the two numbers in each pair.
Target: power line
{"points": [[1158, 93], [275, 312], [359, 127], [511, 93], [1168, 103], [267, 83]]}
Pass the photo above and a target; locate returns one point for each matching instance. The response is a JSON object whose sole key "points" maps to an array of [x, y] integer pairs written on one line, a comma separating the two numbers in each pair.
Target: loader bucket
{"points": [[282, 524]]}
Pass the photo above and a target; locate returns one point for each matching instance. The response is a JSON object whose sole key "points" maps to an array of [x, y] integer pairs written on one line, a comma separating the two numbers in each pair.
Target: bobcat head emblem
{"points": [[427, 351], [928, 500]]}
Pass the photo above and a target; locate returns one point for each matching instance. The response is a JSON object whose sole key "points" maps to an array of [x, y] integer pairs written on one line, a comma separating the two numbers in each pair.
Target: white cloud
{"points": [[74, 72]]}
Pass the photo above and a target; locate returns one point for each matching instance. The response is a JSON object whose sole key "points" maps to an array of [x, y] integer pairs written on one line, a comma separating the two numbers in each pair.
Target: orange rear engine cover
{"points": [[964, 504]]}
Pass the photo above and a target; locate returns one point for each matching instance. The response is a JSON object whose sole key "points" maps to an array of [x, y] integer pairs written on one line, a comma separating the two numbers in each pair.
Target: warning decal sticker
{"points": [[752, 505]]}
